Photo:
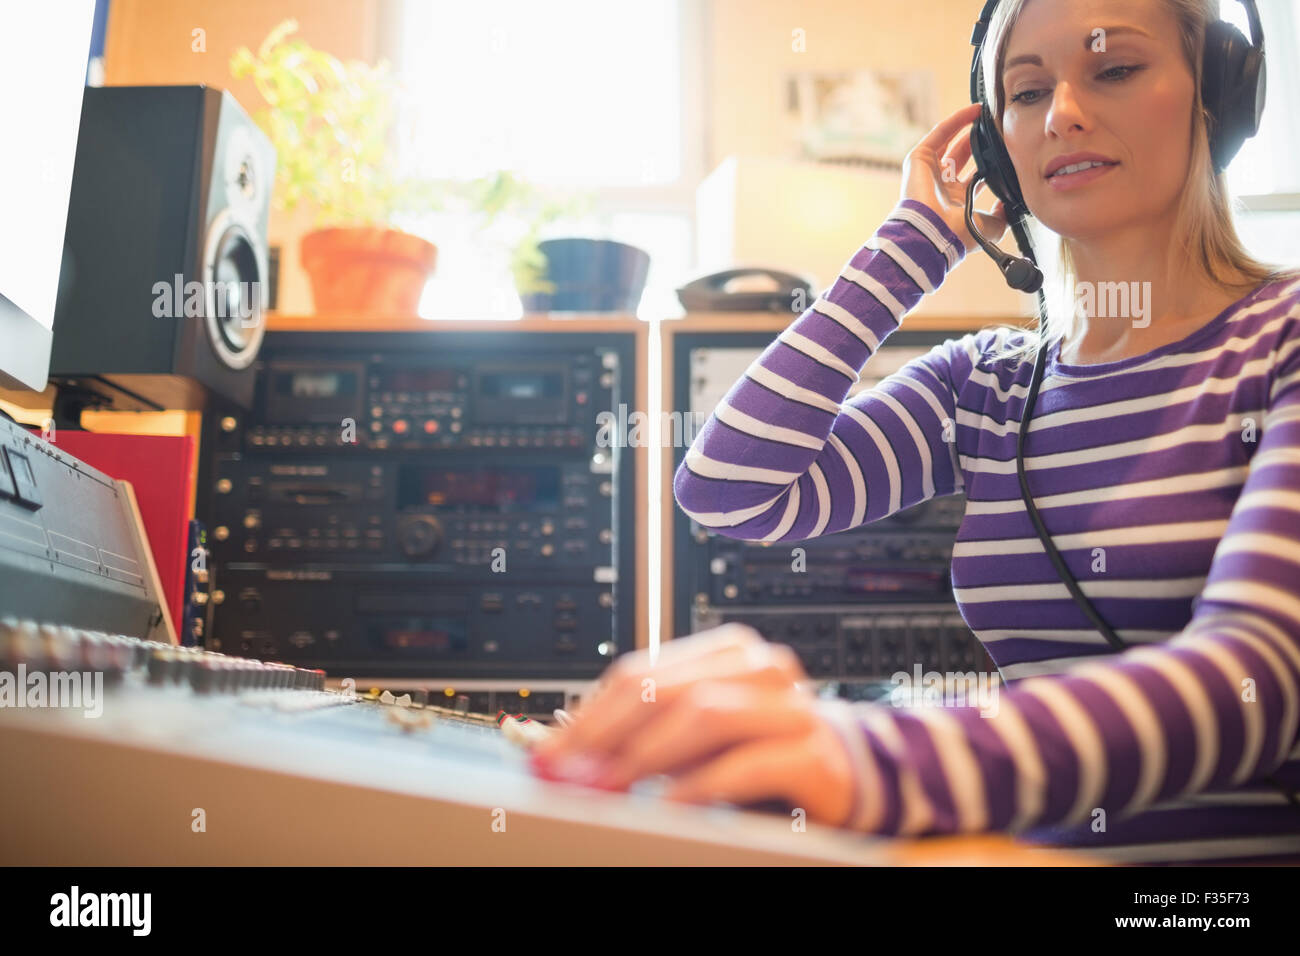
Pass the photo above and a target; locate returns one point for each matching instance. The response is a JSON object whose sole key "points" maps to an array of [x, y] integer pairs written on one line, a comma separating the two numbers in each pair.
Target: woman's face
{"points": [[1104, 77]]}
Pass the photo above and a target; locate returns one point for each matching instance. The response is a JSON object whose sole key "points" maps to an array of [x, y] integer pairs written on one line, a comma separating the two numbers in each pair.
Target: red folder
{"points": [[162, 470]]}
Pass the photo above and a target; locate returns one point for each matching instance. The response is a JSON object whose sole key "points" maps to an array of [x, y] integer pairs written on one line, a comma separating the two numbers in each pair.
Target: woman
{"points": [[1162, 455]]}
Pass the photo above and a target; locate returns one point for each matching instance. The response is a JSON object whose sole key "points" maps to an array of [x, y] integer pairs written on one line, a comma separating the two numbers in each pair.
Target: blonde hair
{"points": [[1204, 227]]}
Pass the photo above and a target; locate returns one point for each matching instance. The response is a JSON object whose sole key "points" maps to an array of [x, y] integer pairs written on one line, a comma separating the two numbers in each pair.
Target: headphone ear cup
{"points": [[1249, 106], [994, 163], [1233, 87]]}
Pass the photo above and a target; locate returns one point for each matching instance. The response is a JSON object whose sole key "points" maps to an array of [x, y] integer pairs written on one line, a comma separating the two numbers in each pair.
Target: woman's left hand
{"points": [[721, 712]]}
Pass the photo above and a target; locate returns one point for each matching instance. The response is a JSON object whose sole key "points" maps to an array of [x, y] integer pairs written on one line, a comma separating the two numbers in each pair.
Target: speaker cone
{"points": [[235, 293]]}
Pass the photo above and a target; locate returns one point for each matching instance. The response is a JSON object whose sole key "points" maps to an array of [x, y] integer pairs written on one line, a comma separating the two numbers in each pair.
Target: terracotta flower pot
{"points": [[367, 269]]}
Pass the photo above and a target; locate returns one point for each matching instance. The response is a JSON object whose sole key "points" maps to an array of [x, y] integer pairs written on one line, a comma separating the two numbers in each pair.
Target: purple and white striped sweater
{"points": [[1182, 466]]}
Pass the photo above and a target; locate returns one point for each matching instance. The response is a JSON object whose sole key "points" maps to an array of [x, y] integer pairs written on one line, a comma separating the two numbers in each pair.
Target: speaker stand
{"points": [[70, 400]]}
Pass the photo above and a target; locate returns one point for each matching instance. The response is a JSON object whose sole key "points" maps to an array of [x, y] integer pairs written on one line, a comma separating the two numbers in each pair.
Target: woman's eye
{"points": [[1128, 71], [1113, 74]]}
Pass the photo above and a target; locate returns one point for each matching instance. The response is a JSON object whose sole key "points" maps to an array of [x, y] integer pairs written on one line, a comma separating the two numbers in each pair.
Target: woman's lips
{"points": [[1067, 181]]}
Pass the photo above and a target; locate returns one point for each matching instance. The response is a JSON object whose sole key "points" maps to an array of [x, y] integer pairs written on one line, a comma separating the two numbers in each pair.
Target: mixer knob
{"points": [[139, 651], [418, 535], [62, 646], [204, 675], [163, 666], [94, 651], [20, 641]]}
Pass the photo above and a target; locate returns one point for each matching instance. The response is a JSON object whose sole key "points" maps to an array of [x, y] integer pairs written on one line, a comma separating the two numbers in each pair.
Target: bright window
{"points": [[577, 94]]}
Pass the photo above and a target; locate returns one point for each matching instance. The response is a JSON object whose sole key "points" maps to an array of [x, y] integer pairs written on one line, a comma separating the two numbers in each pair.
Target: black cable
{"points": [[1058, 562]]}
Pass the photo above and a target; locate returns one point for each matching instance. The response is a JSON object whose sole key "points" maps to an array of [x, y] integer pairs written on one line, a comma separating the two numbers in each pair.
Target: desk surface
{"points": [[91, 792]]}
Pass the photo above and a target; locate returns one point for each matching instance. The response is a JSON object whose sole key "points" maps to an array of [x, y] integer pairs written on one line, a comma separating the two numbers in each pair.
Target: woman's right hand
{"points": [[947, 147]]}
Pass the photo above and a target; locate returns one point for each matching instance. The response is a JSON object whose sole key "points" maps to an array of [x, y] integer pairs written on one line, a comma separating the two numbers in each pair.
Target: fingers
{"points": [[938, 138], [683, 651], [708, 719], [959, 153], [982, 185], [637, 696], [773, 768], [993, 225], [631, 689], [811, 771], [759, 770]]}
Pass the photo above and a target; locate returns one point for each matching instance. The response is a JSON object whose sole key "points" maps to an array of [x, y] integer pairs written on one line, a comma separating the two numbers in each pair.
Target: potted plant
{"points": [[580, 274], [523, 211], [331, 123]]}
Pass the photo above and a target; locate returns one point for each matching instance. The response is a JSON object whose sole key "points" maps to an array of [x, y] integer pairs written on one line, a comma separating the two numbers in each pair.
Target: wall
{"points": [[752, 49]]}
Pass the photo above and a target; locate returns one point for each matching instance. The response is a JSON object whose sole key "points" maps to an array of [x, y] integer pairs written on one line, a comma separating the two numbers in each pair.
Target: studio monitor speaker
{"points": [[165, 265]]}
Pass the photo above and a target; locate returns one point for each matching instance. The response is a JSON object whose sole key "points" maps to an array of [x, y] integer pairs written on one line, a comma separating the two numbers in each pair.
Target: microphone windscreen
{"points": [[1022, 274]]}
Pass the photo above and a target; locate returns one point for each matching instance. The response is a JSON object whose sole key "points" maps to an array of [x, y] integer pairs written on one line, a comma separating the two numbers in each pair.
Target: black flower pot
{"points": [[590, 275]]}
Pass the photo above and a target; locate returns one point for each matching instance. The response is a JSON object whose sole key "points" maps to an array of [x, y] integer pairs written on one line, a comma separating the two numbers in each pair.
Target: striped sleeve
{"points": [[1214, 707], [785, 455]]}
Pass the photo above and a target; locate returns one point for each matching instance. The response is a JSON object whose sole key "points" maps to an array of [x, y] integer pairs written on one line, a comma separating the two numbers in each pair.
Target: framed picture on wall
{"points": [[867, 117]]}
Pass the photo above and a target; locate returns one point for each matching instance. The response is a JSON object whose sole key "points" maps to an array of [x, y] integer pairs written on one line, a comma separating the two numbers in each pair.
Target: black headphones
{"points": [[1232, 88], [1233, 84]]}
